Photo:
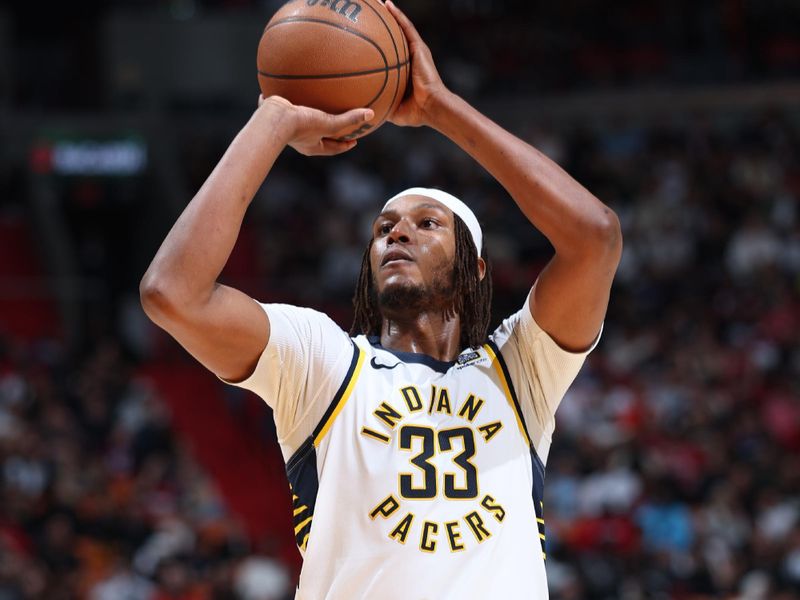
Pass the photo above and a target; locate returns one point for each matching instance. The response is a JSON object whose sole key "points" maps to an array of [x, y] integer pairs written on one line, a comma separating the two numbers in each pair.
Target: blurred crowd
{"points": [[673, 472], [98, 497], [524, 47], [533, 47]]}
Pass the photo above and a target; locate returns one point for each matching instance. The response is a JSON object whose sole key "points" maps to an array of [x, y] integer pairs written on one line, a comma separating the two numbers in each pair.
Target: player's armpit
{"points": [[227, 333]]}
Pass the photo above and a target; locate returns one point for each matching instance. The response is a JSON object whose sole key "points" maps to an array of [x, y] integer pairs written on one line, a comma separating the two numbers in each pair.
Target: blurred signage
{"points": [[112, 157]]}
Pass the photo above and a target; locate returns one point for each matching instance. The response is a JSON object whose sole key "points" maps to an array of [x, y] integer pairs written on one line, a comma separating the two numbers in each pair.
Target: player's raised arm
{"points": [[220, 326], [570, 297]]}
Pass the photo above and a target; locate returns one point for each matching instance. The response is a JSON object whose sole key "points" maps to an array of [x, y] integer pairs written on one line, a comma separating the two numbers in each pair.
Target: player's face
{"points": [[413, 252]]}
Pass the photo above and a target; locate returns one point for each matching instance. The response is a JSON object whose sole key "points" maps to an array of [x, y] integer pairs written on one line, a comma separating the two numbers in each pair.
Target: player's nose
{"points": [[402, 232]]}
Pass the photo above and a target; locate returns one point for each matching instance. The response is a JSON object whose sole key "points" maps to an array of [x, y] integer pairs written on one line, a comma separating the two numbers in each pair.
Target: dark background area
{"points": [[127, 471]]}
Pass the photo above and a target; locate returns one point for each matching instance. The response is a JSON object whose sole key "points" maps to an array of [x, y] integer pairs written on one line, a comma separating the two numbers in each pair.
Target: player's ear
{"points": [[481, 269]]}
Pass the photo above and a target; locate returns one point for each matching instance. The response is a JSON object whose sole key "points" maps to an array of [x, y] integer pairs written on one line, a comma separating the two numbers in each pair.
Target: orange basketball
{"points": [[335, 55]]}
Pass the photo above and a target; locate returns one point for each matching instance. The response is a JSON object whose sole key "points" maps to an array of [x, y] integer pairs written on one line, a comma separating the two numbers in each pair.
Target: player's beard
{"points": [[406, 299]]}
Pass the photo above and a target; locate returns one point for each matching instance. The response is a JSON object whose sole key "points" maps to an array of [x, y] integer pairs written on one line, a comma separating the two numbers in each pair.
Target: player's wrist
{"points": [[278, 118], [438, 107]]}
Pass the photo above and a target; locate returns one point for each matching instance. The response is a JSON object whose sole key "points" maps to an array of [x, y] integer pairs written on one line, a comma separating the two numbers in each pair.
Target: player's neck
{"points": [[425, 333]]}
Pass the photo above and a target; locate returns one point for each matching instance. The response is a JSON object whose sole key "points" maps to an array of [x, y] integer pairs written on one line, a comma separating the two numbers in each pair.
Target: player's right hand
{"points": [[425, 84], [311, 131]]}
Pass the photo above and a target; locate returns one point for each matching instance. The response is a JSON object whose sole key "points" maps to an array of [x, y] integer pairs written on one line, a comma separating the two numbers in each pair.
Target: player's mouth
{"points": [[396, 256]]}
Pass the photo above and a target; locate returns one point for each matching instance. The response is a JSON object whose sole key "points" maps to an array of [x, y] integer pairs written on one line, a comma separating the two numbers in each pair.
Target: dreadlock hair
{"points": [[472, 297]]}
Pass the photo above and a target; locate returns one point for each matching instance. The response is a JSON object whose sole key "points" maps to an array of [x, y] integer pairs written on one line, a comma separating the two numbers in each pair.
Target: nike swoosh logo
{"points": [[376, 365]]}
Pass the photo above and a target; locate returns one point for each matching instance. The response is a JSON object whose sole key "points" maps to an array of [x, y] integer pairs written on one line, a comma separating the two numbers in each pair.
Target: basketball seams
{"points": [[385, 70], [332, 75], [287, 76], [397, 58], [335, 75], [348, 30], [406, 57], [358, 34], [366, 104], [316, 20], [335, 26]]}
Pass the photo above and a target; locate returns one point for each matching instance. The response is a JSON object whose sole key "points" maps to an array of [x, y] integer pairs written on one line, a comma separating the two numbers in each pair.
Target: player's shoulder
{"points": [[304, 322], [504, 332], [520, 332], [293, 312]]}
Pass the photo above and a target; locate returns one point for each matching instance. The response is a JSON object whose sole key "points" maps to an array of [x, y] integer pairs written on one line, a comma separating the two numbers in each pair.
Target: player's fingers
{"points": [[330, 147], [405, 23], [350, 119]]}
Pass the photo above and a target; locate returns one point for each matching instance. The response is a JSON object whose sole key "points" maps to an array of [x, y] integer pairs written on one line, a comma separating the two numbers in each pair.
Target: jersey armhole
{"points": [[499, 364], [301, 468], [341, 396]]}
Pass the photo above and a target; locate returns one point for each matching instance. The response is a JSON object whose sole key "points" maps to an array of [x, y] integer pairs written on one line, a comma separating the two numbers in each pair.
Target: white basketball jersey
{"points": [[421, 480]]}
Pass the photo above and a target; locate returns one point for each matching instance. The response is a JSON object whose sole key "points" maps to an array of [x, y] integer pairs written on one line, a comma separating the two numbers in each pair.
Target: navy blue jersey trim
{"points": [[299, 455], [441, 366], [537, 492], [339, 393], [301, 470], [510, 383], [537, 466]]}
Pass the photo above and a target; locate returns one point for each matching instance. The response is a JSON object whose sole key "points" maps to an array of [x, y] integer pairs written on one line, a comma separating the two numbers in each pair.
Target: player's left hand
{"points": [[313, 132], [425, 83]]}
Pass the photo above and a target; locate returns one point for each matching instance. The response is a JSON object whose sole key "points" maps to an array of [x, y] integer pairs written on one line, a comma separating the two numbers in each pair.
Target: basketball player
{"points": [[415, 449]]}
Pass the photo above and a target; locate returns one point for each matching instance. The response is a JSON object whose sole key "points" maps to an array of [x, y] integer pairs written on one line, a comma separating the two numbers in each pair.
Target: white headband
{"points": [[451, 202]]}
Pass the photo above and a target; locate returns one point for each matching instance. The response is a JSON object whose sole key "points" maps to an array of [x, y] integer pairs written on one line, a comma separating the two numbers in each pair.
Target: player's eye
{"points": [[384, 228], [427, 223]]}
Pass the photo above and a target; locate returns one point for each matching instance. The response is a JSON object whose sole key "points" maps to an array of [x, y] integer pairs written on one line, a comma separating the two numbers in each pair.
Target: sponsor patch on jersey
{"points": [[465, 359]]}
